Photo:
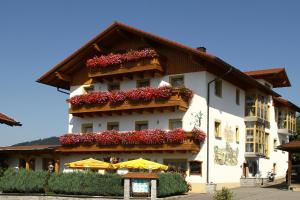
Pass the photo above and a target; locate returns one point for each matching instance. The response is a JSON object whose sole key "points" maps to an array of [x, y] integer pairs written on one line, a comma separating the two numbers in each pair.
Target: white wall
{"points": [[223, 109]]}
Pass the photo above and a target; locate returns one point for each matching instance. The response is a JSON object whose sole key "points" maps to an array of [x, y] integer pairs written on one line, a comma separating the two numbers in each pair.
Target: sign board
{"points": [[140, 185]]}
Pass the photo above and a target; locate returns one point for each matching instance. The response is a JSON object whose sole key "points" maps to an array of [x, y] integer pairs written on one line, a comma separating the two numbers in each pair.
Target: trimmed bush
{"points": [[90, 183], [22, 181], [224, 194], [170, 184]]}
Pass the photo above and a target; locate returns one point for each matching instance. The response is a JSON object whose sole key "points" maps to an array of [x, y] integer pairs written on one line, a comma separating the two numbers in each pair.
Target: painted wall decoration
{"points": [[226, 156], [228, 134], [197, 118]]}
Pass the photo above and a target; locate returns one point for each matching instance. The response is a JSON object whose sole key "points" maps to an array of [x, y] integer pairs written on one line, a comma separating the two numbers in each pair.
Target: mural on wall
{"points": [[228, 133], [228, 155], [197, 117]]}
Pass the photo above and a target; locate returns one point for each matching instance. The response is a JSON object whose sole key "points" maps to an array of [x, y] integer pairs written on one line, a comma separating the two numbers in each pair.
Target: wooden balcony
{"points": [[141, 68], [174, 103], [189, 145]]}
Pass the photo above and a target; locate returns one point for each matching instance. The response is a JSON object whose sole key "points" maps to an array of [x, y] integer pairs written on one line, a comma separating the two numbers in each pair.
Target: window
{"points": [[274, 144], [256, 139], [88, 89], [113, 126], [177, 81], [195, 168], [237, 135], [141, 125], [237, 97], [22, 163], [46, 163], [179, 165], [257, 106], [175, 123], [143, 83], [32, 164], [86, 128], [267, 144], [218, 129], [113, 86], [218, 88]]}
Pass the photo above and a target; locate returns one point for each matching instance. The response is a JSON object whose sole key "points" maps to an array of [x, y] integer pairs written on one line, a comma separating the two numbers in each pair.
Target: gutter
{"points": [[208, 121]]}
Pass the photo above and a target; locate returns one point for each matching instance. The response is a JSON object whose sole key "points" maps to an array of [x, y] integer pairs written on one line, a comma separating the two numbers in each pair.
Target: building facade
{"points": [[127, 81]]}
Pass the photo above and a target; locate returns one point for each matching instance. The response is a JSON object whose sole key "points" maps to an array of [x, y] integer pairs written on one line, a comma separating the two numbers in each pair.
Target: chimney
{"points": [[202, 49]]}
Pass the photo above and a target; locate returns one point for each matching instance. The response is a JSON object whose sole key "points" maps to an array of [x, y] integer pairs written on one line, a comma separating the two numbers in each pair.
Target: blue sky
{"points": [[36, 35]]}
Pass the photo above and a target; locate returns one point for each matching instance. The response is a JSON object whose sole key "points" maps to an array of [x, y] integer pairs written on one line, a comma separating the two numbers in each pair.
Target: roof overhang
{"points": [[276, 76], [4, 119], [292, 146], [280, 102], [32, 148]]}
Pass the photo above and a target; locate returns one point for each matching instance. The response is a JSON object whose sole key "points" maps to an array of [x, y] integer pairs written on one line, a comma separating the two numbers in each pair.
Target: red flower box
{"points": [[106, 61], [143, 137], [134, 96]]}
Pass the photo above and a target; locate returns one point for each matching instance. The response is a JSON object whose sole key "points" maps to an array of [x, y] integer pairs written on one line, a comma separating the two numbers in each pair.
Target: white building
{"points": [[247, 119]]}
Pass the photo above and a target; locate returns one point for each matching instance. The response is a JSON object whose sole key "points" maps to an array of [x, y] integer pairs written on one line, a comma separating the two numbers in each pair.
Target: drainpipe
{"points": [[207, 125]]}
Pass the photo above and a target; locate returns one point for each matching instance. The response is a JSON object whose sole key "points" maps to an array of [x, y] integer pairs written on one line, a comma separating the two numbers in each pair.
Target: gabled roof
{"points": [[8, 121], [278, 101], [276, 76], [219, 66]]}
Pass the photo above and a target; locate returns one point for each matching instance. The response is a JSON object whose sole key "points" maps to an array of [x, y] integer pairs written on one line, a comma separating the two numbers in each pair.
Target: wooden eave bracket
{"points": [[63, 77]]}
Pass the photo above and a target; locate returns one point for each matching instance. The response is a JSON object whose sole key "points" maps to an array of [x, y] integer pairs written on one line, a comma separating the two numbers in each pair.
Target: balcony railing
{"points": [[140, 67], [189, 144], [176, 101]]}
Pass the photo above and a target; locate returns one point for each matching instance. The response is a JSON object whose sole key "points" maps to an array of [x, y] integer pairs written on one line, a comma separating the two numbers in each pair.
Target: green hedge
{"points": [[171, 184], [22, 181], [89, 183], [78, 183]]}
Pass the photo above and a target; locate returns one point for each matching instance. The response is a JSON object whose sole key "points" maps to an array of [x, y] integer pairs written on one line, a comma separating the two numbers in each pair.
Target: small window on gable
{"points": [[87, 128], [237, 97], [195, 168], [218, 88], [143, 83], [218, 129], [113, 126], [175, 123], [113, 86], [88, 89], [141, 125], [177, 81]]}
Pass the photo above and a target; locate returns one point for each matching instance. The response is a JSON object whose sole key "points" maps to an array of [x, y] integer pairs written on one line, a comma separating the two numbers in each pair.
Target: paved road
{"points": [[276, 192]]}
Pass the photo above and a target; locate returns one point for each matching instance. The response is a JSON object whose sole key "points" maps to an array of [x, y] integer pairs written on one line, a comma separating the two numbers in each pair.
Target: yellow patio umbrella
{"points": [[141, 164], [90, 163]]}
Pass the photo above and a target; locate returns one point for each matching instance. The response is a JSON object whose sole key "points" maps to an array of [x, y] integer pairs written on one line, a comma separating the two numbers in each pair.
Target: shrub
{"points": [[90, 183], [171, 184], [224, 194], [22, 181]]}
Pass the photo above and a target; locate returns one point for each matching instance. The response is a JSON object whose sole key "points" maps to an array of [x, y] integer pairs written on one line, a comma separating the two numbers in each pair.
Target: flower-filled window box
{"points": [[130, 62]]}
